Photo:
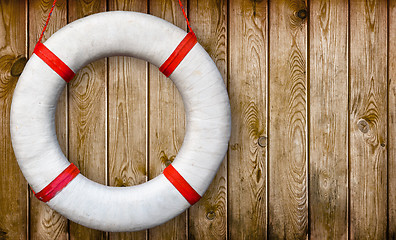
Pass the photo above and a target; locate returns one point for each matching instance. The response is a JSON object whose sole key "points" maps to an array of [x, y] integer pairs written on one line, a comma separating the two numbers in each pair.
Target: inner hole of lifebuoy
{"points": [[120, 121]]}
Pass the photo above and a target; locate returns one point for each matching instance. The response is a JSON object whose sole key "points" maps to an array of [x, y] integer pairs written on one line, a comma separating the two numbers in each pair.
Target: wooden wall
{"points": [[313, 95]]}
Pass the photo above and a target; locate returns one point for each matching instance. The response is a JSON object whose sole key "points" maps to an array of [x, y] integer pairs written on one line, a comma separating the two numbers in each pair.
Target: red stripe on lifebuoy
{"points": [[53, 62], [178, 54], [58, 183], [181, 185]]}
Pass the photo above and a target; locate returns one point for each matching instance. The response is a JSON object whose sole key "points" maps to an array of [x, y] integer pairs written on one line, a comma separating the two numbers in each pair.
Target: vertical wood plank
{"points": [[88, 117], [166, 120], [248, 38], [328, 190], [127, 117], [368, 119], [13, 186], [208, 218], [44, 222], [288, 202], [392, 118]]}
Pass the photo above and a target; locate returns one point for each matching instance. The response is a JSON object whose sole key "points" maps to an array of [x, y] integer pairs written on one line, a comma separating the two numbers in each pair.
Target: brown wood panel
{"points": [[337, 120], [328, 91], [13, 186], [288, 200], [127, 117], [208, 217], [44, 222], [166, 120], [368, 120], [247, 170], [88, 117], [392, 118]]}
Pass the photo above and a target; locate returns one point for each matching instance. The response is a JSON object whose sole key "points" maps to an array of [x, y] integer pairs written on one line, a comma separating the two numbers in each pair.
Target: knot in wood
{"points": [[210, 215], [3, 234], [383, 144], [165, 159], [18, 66], [363, 126], [262, 141], [301, 13]]}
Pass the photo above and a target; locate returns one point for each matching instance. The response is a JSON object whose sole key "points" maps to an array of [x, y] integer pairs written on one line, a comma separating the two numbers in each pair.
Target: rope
{"points": [[53, 6], [185, 16], [46, 23]]}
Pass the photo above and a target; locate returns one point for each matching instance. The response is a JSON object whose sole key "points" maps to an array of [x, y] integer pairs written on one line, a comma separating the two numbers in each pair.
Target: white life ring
{"points": [[206, 103]]}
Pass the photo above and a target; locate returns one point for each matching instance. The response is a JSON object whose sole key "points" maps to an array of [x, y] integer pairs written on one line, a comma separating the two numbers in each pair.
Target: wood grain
{"points": [[368, 120], [13, 186], [392, 119], [343, 120], [288, 202], [44, 222], [166, 120], [88, 117], [247, 170], [127, 118], [208, 217], [328, 91]]}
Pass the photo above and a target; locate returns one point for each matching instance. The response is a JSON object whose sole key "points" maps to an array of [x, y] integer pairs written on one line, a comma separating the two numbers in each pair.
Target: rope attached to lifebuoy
{"points": [[47, 21]]}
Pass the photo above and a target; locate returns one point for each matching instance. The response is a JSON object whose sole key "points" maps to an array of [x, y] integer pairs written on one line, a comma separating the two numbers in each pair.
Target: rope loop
{"points": [[53, 6]]}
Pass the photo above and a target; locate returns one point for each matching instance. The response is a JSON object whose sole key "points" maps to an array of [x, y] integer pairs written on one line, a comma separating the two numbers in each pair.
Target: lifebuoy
{"points": [[59, 183]]}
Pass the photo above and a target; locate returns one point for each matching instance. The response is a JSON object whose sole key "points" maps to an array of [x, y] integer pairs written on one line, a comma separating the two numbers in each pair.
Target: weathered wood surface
{"points": [[368, 120], [127, 117], [391, 145], [88, 117], [313, 95], [166, 120], [328, 131], [247, 217], [13, 187], [288, 187], [208, 217], [44, 222]]}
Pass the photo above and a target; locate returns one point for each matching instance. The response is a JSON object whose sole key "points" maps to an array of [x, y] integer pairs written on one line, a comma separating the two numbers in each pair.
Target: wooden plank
{"points": [[88, 117], [208, 217], [13, 186], [247, 204], [368, 120], [166, 120], [328, 178], [44, 222], [127, 117], [392, 118], [288, 202]]}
